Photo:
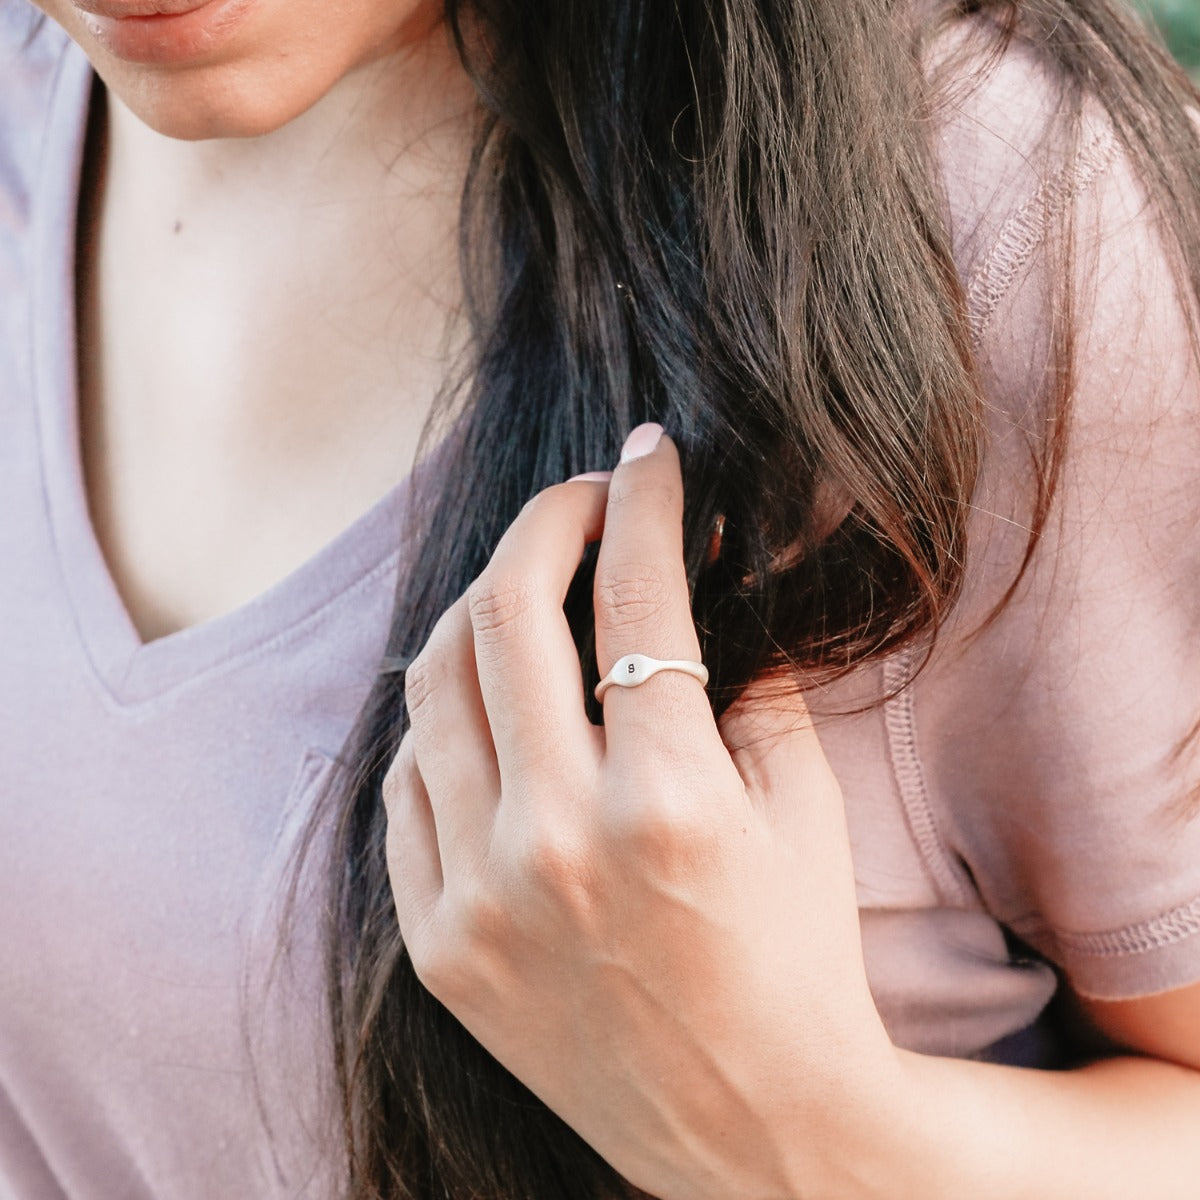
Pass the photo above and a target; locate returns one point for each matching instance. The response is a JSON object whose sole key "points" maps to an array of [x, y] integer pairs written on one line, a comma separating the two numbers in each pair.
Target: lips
{"points": [[163, 33], [123, 10]]}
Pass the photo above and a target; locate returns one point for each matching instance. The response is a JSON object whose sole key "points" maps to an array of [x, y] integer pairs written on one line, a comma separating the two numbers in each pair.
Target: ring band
{"points": [[635, 669]]}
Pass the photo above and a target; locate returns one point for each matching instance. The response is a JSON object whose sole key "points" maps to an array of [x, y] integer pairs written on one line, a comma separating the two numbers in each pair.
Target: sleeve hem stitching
{"points": [[1157, 933]]}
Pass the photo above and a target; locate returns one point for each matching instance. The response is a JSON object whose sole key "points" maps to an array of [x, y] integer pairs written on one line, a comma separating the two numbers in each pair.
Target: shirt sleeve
{"points": [[1059, 740]]}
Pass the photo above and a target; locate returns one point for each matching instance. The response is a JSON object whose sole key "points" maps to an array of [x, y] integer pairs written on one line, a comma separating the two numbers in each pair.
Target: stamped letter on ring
{"points": [[635, 669]]}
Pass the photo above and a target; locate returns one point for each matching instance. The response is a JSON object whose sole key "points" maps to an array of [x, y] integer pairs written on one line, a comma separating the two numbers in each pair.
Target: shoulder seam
{"points": [[1023, 233]]}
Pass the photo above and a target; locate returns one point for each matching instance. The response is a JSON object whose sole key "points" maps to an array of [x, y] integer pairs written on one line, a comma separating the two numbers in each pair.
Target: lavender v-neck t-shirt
{"points": [[150, 794], [1022, 812]]}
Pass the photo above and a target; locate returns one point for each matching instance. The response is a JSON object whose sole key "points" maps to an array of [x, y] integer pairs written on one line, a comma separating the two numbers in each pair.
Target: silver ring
{"points": [[635, 669]]}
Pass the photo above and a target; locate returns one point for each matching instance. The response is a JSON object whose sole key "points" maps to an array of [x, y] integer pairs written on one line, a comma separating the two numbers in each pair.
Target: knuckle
{"points": [[499, 603], [672, 843], [484, 920], [423, 678], [447, 950], [649, 492], [672, 830], [557, 866], [632, 596], [544, 501]]}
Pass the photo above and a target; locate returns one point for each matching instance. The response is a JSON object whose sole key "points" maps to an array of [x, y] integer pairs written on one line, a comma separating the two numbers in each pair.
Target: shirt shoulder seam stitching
{"points": [[1026, 229]]}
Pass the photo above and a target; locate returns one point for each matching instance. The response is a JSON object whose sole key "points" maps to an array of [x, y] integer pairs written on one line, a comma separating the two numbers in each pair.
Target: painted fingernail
{"points": [[592, 477], [641, 442]]}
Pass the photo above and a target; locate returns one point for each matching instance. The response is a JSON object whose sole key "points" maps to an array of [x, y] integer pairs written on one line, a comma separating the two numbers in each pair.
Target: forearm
{"points": [[1115, 1129]]}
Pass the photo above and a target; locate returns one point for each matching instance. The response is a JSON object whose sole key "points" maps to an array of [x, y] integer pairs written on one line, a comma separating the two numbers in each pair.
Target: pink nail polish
{"points": [[641, 442]]}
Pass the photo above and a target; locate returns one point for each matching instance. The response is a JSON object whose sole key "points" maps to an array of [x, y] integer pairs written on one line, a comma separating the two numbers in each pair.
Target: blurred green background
{"points": [[1180, 22]]}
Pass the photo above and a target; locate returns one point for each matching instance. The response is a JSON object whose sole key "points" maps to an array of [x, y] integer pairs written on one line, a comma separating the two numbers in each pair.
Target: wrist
{"points": [[943, 1139], [857, 1141]]}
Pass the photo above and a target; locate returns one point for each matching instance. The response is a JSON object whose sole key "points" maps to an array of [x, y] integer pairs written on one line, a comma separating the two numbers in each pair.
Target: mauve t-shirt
{"points": [[1025, 810]]}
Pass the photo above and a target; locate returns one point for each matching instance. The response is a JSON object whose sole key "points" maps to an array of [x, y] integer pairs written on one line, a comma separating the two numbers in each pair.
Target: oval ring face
{"points": [[632, 670]]}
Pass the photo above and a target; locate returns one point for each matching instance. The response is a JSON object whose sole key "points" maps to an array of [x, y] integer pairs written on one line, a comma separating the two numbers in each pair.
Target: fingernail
{"points": [[714, 542], [592, 477], [641, 442]]}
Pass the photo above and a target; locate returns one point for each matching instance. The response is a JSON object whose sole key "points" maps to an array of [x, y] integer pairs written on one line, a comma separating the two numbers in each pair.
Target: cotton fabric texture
{"points": [[1025, 810]]}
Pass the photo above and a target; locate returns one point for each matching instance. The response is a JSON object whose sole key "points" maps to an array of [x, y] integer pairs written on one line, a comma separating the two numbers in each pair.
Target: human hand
{"points": [[652, 924]]}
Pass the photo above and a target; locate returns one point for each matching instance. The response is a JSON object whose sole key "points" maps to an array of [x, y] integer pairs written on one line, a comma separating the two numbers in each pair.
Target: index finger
{"points": [[528, 666]]}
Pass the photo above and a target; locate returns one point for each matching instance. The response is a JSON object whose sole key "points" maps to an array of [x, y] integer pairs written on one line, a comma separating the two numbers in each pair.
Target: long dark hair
{"points": [[722, 215]]}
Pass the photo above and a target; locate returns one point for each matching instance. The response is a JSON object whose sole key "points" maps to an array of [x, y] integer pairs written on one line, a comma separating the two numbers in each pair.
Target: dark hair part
{"points": [[721, 215]]}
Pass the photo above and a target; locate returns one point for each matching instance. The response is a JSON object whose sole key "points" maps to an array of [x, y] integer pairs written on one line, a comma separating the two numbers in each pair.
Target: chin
{"points": [[199, 105], [200, 69]]}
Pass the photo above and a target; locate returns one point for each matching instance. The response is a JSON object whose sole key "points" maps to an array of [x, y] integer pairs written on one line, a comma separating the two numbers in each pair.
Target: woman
{"points": [[912, 293]]}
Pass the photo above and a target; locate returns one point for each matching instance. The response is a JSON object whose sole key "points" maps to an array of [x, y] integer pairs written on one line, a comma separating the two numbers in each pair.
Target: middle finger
{"points": [[642, 602]]}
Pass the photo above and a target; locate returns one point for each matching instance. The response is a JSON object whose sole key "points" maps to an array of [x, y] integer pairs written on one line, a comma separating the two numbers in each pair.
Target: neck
{"points": [[264, 324], [386, 127], [310, 271]]}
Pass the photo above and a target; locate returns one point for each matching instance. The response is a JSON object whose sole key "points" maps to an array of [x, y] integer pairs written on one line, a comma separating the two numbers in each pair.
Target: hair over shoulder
{"points": [[725, 216]]}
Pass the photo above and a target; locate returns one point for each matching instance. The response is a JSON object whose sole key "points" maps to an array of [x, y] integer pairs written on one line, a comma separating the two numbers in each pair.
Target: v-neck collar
{"points": [[133, 672]]}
